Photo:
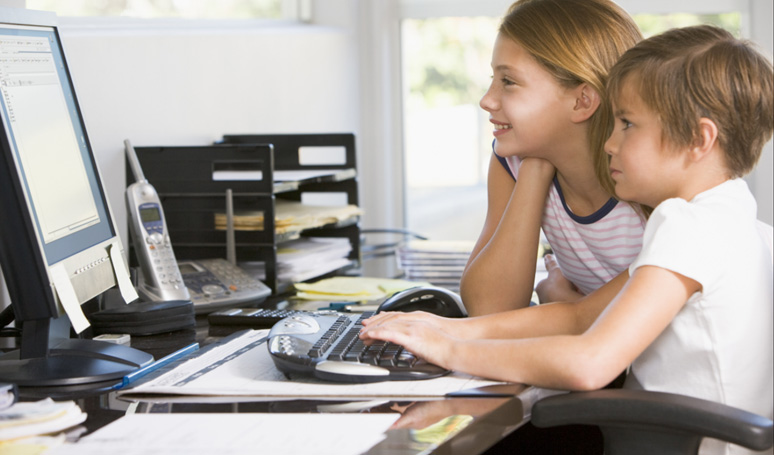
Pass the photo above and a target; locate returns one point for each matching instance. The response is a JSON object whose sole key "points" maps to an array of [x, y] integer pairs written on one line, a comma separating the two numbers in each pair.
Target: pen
{"points": [[134, 375]]}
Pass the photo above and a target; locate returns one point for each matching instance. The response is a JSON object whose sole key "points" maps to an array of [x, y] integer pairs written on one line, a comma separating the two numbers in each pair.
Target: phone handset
{"points": [[161, 276]]}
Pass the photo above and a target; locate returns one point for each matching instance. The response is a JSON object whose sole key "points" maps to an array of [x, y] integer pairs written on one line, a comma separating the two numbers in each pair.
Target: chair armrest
{"points": [[655, 411]]}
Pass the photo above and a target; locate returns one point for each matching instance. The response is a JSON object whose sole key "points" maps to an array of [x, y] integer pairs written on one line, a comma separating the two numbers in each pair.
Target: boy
{"points": [[693, 110]]}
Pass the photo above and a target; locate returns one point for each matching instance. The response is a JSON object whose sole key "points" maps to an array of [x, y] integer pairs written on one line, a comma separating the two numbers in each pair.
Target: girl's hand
{"points": [[415, 331], [556, 288], [537, 166]]}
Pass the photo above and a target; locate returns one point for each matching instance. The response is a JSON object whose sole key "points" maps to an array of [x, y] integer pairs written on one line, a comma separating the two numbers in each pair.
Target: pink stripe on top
{"points": [[594, 249]]}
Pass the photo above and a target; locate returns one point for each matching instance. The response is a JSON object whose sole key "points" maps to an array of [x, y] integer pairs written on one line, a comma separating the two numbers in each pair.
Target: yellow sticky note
{"points": [[353, 288]]}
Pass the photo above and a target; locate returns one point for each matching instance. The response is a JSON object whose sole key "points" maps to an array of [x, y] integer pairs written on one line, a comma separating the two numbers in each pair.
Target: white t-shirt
{"points": [[719, 347]]}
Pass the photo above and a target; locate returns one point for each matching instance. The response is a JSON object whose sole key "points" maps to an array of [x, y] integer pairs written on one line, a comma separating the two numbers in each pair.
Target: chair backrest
{"points": [[638, 422]]}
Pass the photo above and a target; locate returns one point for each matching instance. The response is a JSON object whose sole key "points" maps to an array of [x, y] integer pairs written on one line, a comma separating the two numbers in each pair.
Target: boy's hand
{"points": [[417, 332], [433, 320]]}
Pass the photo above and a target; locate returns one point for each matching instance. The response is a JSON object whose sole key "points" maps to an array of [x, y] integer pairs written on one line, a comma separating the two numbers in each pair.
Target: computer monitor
{"points": [[58, 242]]}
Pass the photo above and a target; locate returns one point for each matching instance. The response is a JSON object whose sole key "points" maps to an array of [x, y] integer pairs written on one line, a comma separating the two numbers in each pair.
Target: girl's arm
{"points": [[500, 273], [625, 328]]}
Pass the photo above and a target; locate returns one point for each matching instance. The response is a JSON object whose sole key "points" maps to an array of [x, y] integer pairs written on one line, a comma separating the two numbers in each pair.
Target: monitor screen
{"points": [[47, 138]]}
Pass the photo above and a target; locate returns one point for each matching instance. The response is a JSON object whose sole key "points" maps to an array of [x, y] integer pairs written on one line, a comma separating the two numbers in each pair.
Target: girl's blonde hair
{"points": [[577, 41]]}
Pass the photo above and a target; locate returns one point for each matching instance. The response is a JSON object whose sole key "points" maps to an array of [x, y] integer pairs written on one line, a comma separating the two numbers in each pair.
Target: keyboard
{"points": [[326, 346]]}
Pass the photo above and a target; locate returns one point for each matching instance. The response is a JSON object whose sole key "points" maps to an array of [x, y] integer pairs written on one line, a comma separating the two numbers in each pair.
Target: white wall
{"points": [[173, 84]]}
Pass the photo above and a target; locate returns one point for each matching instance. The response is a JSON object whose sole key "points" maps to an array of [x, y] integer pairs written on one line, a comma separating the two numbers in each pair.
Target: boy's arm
{"points": [[625, 328], [561, 318], [500, 273], [570, 359]]}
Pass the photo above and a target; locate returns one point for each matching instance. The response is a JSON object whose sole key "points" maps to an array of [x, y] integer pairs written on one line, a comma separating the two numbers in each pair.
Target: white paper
{"points": [[66, 293], [230, 434], [26, 419], [251, 372], [128, 292]]}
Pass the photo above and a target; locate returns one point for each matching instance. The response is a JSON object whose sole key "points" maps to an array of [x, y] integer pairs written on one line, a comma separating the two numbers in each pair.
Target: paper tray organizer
{"points": [[192, 182]]}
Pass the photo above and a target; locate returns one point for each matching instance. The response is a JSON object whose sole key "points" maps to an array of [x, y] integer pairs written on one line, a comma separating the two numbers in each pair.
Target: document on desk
{"points": [[235, 433], [243, 366]]}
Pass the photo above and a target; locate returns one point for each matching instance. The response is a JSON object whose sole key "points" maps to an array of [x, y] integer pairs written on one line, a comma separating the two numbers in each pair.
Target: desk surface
{"points": [[492, 417]]}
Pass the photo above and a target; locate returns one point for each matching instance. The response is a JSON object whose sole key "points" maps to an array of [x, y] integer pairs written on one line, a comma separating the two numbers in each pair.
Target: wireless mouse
{"points": [[436, 300]]}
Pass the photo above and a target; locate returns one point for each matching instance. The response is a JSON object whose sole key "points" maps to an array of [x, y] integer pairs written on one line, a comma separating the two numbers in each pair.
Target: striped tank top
{"points": [[591, 250]]}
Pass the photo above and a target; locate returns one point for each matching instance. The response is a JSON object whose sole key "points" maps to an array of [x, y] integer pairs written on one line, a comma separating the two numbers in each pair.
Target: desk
{"points": [[492, 418]]}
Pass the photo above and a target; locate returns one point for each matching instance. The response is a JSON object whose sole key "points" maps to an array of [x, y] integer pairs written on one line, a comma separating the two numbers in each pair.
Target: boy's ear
{"points": [[586, 103], [706, 141]]}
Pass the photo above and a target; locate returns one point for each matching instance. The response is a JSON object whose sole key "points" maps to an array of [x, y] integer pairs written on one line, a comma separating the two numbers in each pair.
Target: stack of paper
{"points": [[291, 216], [28, 419], [305, 258], [7, 395], [439, 262]]}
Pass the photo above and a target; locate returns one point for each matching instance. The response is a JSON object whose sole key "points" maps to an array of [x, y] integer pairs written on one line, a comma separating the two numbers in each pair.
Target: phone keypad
{"points": [[163, 259]]}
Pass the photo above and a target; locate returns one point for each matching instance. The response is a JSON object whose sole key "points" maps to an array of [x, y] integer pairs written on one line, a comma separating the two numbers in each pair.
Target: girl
{"points": [[551, 117], [694, 108]]}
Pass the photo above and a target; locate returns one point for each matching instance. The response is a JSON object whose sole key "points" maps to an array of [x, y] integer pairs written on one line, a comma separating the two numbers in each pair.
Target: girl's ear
{"points": [[586, 103], [706, 140]]}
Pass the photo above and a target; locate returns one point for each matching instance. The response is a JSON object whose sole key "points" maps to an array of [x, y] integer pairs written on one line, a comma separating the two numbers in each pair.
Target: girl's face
{"points": [[527, 106], [644, 168]]}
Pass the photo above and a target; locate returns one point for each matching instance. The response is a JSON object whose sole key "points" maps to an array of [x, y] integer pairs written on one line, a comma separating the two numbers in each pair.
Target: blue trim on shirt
{"points": [[590, 219], [504, 162]]}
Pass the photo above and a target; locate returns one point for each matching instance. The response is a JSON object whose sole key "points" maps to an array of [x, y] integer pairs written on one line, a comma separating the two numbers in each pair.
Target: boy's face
{"points": [[644, 168]]}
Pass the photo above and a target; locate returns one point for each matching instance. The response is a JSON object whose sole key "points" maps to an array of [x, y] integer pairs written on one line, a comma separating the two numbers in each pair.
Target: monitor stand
{"points": [[73, 362], [66, 361]]}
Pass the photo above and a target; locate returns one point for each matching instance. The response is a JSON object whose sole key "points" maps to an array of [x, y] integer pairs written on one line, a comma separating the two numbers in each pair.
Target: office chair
{"points": [[635, 422]]}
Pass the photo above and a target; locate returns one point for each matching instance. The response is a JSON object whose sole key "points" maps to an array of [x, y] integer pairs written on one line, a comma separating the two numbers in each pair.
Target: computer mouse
{"points": [[436, 300]]}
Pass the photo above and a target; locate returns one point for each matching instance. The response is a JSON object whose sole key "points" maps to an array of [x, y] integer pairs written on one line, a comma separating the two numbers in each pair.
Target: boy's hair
{"points": [[576, 41], [697, 72]]}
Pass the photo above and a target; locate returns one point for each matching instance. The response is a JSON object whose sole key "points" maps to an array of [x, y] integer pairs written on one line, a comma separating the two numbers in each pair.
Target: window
{"points": [[191, 9], [446, 135]]}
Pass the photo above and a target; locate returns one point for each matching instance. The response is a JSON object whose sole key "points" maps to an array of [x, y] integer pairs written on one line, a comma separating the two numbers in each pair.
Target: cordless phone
{"points": [[161, 278], [210, 284]]}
